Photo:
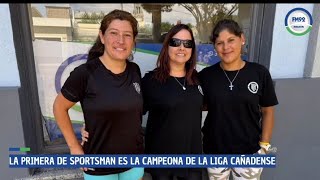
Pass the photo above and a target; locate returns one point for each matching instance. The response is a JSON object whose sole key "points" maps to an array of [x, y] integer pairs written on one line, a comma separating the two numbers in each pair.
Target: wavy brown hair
{"points": [[98, 48], [162, 71]]}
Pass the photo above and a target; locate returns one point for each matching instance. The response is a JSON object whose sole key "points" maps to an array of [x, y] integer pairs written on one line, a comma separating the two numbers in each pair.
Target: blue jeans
{"points": [[131, 174]]}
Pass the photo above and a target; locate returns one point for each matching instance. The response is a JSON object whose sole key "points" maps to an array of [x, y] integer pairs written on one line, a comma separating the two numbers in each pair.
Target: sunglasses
{"points": [[174, 42]]}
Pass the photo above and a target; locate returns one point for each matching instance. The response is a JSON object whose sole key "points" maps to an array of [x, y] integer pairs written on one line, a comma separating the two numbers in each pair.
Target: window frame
{"points": [[261, 33]]}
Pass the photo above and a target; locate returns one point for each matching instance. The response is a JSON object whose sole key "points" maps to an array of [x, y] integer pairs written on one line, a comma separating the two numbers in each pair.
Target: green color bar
{"points": [[147, 51], [25, 149]]}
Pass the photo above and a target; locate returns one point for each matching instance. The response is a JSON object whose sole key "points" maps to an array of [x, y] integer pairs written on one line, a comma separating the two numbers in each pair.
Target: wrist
{"points": [[265, 145], [264, 142]]}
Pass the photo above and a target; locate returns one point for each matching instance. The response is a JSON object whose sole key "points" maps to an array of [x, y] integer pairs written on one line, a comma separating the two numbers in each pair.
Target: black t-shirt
{"points": [[233, 123], [174, 121], [112, 107]]}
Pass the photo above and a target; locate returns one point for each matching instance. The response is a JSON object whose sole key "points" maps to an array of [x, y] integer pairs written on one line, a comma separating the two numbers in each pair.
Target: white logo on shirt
{"points": [[253, 87], [137, 87], [200, 89]]}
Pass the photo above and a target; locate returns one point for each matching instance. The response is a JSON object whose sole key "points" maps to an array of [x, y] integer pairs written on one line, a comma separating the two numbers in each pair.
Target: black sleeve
{"points": [[201, 76], [74, 88], [135, 67], [139, 71], [268, 97], [144, 86]]}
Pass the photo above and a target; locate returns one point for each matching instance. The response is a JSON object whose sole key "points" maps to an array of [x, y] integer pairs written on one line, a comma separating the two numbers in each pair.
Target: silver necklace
{"points": [[184, 83], [231, 82]]}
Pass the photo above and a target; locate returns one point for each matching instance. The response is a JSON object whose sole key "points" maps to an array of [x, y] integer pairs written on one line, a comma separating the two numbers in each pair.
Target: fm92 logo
{"points": [[298, 21]]}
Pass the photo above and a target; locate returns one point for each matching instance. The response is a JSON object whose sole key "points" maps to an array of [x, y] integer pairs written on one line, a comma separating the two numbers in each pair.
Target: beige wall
{"points": [[53, 32], [52, 28], [58, 12]]}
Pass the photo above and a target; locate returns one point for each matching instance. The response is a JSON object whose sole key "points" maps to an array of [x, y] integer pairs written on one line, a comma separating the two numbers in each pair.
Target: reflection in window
{"points": [[80, 23]]}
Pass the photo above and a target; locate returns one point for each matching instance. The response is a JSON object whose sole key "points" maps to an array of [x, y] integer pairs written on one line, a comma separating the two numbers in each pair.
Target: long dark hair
{"points": [[225, 24], [162, 72], [98, 48]]}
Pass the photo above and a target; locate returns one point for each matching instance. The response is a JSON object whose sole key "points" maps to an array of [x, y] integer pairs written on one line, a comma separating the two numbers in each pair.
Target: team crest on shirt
{"points": [[253, 87], [137, 87], [200, 89]]}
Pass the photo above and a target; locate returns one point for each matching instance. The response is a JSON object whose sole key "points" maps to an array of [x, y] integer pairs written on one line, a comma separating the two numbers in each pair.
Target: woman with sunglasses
{"points": [[240, 99], [173, 97]]}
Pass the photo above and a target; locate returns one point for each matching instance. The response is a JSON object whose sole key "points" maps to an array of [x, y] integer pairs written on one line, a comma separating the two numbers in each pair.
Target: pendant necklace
{"points": [[231, 82], [184, 83]]}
